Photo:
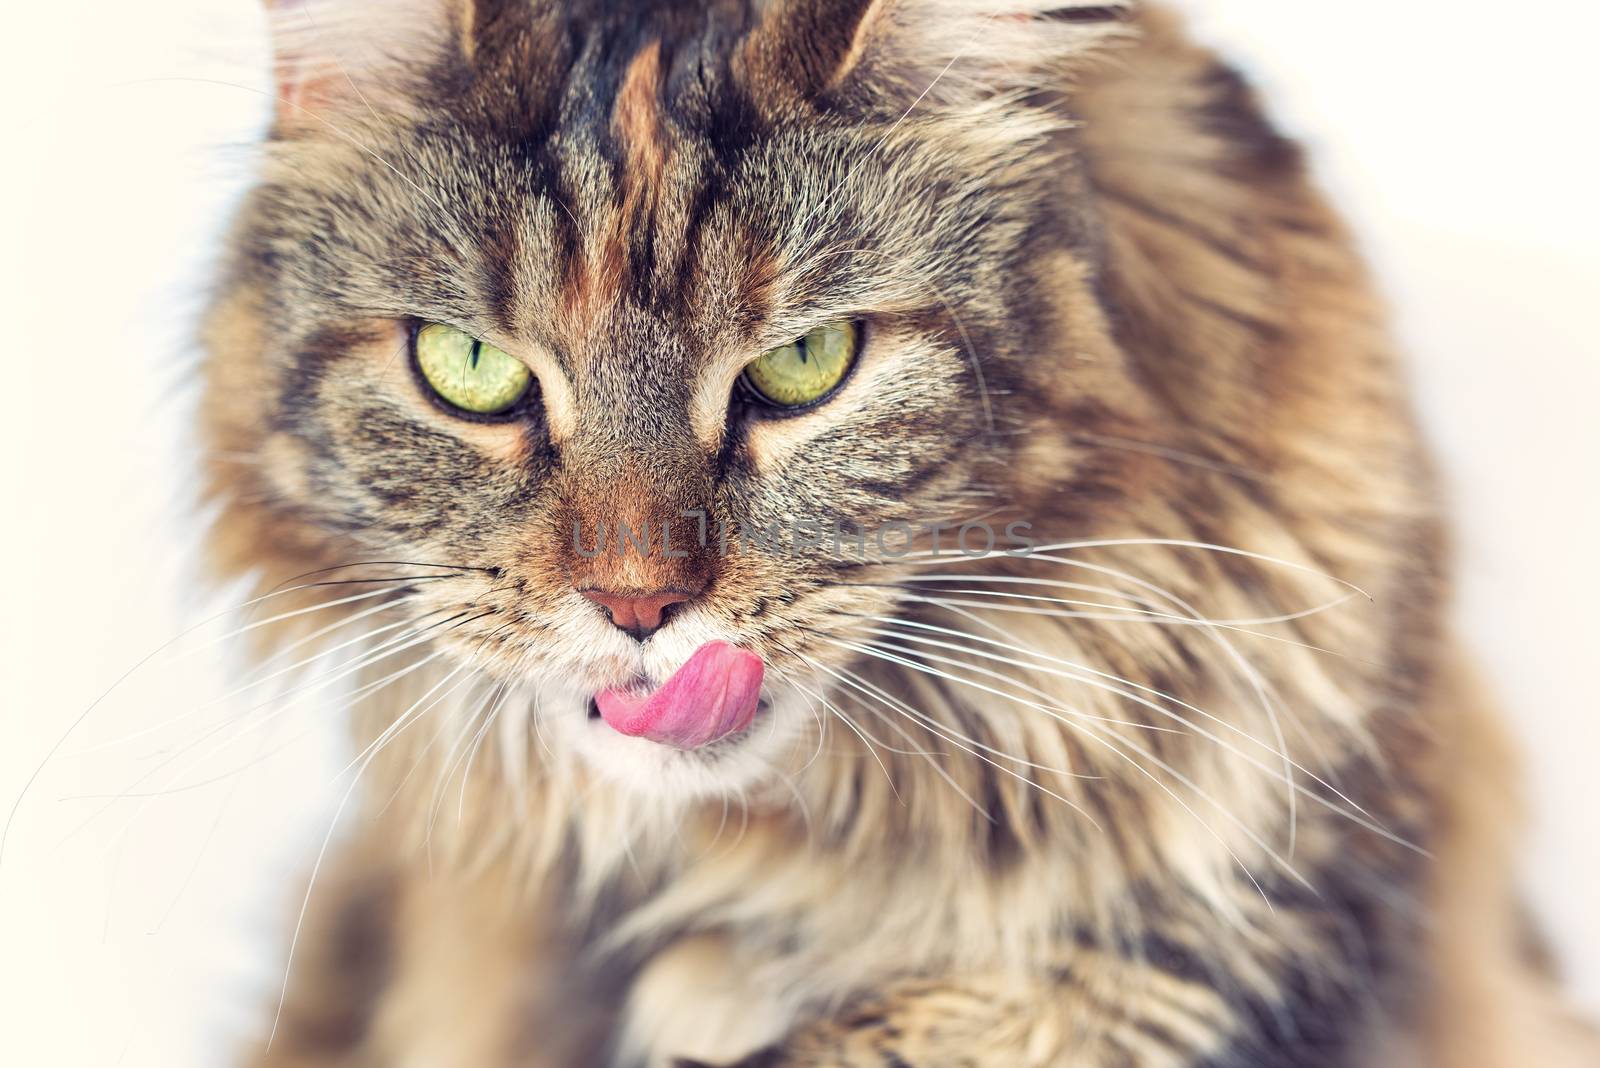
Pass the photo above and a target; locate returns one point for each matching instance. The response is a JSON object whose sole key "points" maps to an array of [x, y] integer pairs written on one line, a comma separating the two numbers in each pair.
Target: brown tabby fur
{"points": [[1100, 295]]}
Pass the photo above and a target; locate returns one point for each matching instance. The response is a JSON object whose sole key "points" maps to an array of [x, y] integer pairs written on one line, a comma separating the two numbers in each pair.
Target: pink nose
{"points": [[640, 614]]}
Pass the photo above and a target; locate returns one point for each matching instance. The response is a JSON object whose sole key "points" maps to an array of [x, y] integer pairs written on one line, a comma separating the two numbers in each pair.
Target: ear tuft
{"points": [[963, 51], [333, 54], [937, 52]]}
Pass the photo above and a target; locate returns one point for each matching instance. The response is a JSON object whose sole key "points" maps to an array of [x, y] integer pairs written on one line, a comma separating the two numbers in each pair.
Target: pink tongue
{"points": [[711, 696]]}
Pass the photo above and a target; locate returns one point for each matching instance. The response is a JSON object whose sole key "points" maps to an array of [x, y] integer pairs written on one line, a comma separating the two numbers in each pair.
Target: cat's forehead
{"points": [[660, 221], [602, 178], [680, 57]]}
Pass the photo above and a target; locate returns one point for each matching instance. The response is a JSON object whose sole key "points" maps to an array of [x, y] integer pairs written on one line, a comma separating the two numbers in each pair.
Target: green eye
{"points": [[804, 371], [473, 375]]}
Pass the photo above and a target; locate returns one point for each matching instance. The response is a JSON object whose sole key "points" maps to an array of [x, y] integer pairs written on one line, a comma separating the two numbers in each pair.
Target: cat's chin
{"points": [[734, 766]]}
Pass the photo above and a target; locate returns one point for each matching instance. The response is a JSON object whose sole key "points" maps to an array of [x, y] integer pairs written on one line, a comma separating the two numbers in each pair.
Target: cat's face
{"points": [[636, 207]]}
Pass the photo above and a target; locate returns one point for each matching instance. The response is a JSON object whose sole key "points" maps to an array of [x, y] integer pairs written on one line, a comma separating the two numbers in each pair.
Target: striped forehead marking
{"points": [[638, 127], [636, 119]]}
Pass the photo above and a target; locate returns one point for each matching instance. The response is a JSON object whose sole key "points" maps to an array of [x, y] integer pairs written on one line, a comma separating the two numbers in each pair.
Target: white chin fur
{"points": [[731, 767], [596, 656]]}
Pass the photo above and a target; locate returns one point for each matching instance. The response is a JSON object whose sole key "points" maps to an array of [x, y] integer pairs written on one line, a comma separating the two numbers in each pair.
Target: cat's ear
{"points": [[329, 55], [936, 52]]}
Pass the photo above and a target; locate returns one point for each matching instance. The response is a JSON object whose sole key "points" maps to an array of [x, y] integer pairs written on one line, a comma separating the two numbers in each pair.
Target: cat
{"points": [[862, 532]]}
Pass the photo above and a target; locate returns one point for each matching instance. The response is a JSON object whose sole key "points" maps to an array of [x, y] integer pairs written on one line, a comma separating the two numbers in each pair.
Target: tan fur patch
{"points": [[636, 121]]}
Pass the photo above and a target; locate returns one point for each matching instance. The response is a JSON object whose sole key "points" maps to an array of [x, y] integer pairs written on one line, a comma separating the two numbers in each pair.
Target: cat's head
{"points": [[784, 284]]}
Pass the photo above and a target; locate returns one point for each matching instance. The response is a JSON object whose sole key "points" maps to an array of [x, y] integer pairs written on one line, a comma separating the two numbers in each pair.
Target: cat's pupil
{"points": [[472, 360]]}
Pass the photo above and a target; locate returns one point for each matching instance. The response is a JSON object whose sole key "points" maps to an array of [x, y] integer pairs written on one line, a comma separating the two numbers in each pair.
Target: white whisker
{"points": [[1088, 730], [873, 650], [1251, 676], [1359, 816]]}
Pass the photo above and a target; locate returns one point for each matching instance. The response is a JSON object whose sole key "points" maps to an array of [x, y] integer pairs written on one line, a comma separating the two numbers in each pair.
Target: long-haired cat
{"points": [[863, 532]]}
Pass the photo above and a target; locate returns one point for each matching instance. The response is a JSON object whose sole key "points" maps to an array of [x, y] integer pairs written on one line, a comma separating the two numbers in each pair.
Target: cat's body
{"points": [[1067, 809]]}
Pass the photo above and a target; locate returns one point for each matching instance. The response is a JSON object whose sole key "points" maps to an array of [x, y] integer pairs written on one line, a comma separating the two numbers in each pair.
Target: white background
{"points": [[1458, 134]]}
